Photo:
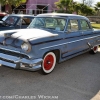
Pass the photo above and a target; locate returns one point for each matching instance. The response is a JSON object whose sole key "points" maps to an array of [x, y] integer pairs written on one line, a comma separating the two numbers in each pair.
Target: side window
{"points": [[84, 25], [55, 23], [73, 25], [26, 21], [50, 22]]}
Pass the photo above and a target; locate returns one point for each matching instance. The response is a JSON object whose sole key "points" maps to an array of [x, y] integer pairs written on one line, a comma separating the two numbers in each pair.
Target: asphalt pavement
{"points": [[74, 79]]}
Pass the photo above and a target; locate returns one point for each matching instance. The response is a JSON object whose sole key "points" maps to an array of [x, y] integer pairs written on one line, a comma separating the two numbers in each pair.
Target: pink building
{"points": [[40, 6]]}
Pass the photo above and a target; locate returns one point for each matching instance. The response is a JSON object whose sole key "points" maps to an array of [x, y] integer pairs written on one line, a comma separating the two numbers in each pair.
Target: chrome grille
{"points": [[13, 53]]}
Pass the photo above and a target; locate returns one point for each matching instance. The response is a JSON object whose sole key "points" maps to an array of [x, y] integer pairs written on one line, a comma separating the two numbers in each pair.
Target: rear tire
{"points": [[49, 62], [94, 50]]}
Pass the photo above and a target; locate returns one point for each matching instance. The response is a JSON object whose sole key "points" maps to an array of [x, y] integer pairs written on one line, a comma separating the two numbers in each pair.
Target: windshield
{"points": [[48, 23], [10, 20]]}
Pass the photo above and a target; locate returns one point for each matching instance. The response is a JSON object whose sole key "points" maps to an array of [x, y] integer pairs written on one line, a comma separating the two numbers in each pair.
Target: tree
{"points": [[83, 1], [86, 10], [83, 9], [87, 2], [97, 8], [68, 6], [10, 3], [89, 11], [65, 6], [77, 7], [98, 4]]}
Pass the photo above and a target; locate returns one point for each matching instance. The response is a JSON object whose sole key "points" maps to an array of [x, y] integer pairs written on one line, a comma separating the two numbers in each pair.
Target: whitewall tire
{"points": [[95, 49], [49, 62]]}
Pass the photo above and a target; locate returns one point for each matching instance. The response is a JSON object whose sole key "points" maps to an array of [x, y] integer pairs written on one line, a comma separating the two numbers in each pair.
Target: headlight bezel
{"points": [[26, 47]]}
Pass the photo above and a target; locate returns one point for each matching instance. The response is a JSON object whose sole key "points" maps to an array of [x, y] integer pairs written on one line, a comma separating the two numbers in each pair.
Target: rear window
{"points": [[84, 25]]}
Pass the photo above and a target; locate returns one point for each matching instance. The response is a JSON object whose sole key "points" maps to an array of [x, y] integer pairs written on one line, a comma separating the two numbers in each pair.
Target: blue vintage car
{"points": [[50, 39], [15, 21]]}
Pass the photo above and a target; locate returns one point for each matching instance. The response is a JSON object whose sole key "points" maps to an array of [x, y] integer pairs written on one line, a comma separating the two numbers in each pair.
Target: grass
{"points": [[94, 25]]}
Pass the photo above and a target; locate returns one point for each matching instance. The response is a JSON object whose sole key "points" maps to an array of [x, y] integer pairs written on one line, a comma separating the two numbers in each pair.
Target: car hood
{"points": [[26, 34], [16, 37]]}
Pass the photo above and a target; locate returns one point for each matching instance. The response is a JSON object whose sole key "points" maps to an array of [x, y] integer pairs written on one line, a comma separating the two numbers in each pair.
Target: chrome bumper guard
{"points": [[20, 63]]}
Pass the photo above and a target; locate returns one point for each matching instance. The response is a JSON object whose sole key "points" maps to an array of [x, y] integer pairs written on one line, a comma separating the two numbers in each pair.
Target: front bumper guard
{"points": [[20, 63]]}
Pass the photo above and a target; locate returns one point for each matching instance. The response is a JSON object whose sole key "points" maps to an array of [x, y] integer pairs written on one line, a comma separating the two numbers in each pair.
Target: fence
{"points": [[94, 19]]}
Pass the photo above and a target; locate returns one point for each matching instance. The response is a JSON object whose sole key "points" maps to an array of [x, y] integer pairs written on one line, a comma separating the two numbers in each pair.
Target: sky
{"points": [[94, 1]]}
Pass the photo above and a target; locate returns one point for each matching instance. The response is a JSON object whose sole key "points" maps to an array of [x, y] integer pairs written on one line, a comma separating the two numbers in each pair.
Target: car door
{"points": [[73, 39], [87, 33]]}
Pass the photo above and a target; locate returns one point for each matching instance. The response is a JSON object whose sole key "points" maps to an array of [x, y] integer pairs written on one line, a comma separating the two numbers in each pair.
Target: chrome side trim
{"points": [[68, 42]]}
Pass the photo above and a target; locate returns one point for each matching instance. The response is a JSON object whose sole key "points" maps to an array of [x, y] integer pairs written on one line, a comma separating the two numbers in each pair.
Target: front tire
{"points": [[49, 62]]}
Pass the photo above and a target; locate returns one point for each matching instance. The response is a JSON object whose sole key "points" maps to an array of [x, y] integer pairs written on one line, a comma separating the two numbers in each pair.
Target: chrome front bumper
{"points": [[20, 63]]}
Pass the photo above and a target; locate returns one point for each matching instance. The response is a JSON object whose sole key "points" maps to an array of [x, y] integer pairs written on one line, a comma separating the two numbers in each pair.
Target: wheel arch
{"points": [[56, 52]]}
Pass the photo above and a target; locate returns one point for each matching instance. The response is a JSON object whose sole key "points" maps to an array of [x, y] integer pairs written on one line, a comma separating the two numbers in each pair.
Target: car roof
{"points": [[60, 15], [21, 15]]}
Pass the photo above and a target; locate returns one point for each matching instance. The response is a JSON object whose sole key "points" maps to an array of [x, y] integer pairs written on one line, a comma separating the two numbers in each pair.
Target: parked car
{"points": [[49, 39], [15, 21], [2, 14]]}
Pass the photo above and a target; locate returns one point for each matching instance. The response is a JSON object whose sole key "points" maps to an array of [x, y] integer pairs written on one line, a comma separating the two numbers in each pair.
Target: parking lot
{"points": [[74, 79]]}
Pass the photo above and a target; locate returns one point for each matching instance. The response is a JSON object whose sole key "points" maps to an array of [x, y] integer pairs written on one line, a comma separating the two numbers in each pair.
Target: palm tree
{"points": [[98, 4], [9, 3], [65, 6], [97, 8], [77, 7], [86, 10]]}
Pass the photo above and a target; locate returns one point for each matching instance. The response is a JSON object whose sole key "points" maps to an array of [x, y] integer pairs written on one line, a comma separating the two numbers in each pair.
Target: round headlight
{"points": [[26, 47]]}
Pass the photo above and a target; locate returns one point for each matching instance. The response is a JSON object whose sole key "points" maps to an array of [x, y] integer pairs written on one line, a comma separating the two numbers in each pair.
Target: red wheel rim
{"points": [[48, 62], [95, 48]]}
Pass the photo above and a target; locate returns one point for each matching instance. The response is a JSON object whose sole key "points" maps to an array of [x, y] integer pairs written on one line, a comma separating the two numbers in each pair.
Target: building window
{"points": [[42, 9]]}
